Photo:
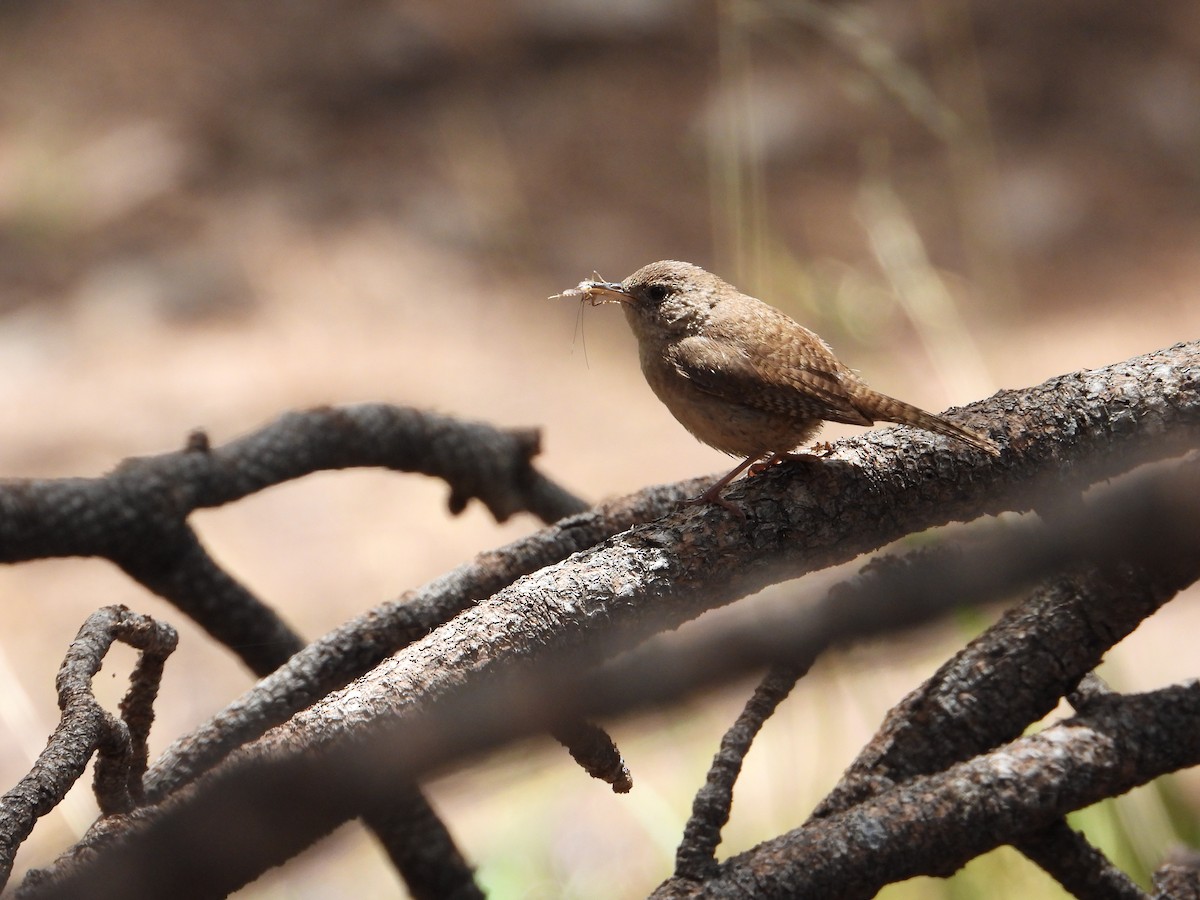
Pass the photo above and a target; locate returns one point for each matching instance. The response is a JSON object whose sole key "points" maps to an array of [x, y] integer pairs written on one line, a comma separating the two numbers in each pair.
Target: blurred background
{"points": [[212, 212]]}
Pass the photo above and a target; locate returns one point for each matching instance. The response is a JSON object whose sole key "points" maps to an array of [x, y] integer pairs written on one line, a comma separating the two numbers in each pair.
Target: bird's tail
{"points": [[889, 409]]}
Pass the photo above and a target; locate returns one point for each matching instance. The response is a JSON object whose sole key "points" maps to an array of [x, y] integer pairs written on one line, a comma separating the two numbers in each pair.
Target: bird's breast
{"points": [[724, 423]]}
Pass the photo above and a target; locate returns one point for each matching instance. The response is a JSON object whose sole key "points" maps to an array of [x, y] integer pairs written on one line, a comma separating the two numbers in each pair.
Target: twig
{"points": [[420, 846], [592, 748], [695, 858], [1080, 868], [86, 727]]}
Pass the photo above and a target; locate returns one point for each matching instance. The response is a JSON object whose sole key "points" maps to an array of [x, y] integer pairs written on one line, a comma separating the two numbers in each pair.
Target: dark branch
{"points": [[86, 727], [420, 846], [1065, 433], [936, 823], [594, 751], [296, 792], [137, 515], [339, 657], [659, 575], [696, 857], [181, 571], [1014, 673], [1082, 870], [1178, 878]]}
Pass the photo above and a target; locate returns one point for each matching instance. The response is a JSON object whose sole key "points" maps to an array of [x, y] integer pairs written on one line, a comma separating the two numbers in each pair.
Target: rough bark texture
{"points": [[350, 650], [1068, 432], [137, 518], [295, 796], [696, 857], [1060, 436], [934, 824], [87, 728]]}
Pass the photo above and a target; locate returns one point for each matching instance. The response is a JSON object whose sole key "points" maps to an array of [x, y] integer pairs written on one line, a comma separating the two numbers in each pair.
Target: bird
{"points": [[742, 376]]}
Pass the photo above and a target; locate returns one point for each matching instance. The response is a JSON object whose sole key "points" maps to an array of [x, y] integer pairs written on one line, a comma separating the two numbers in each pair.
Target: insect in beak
{"points": [[595, 292]]}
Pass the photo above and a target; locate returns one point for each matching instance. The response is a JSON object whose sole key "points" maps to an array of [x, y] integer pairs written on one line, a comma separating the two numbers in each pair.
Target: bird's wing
{"points": [[799, 379]]}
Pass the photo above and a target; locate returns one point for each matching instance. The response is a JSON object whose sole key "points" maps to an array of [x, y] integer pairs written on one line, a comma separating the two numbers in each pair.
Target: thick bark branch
{"points": [[662, 574], [296, 796], [1011, 675], [352, 649], [1065, 433], [1015, 672]]}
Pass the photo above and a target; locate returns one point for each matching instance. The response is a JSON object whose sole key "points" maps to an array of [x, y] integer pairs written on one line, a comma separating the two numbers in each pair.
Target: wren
{"points": [[740, 375]]}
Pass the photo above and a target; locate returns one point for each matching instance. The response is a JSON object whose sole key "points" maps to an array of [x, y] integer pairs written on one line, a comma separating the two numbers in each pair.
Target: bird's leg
{"points": [[713, 494]]}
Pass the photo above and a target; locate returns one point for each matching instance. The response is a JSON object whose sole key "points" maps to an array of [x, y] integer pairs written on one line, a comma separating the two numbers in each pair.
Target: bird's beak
{"points": [[598, 292]]}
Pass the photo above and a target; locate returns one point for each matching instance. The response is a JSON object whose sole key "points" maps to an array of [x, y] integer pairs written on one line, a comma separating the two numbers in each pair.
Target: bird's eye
{"points": [[657, 292]]}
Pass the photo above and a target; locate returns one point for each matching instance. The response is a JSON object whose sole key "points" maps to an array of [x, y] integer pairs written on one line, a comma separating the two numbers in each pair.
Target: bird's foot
{"points": [[714, 497], [780, 458]]}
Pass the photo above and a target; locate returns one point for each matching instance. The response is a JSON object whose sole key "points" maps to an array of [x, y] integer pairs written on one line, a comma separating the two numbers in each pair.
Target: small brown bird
{"points": [[739, 374]]}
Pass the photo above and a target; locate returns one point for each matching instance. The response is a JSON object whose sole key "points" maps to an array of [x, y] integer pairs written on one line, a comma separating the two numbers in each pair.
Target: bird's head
{"points": [[667, 295]]}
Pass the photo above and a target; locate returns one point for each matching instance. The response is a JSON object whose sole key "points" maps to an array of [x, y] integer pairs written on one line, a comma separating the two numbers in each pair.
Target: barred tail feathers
{"points": [[889, 409]]}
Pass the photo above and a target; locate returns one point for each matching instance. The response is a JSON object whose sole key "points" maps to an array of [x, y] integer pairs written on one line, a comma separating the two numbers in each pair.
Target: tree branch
{"points": [[86, 727], [1178, 878], [1082, 870], [295, 796], [1014, 674], [452, 692], [696, 857], [660, 575], [937, 823], [349, 651], [136, 516]]}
